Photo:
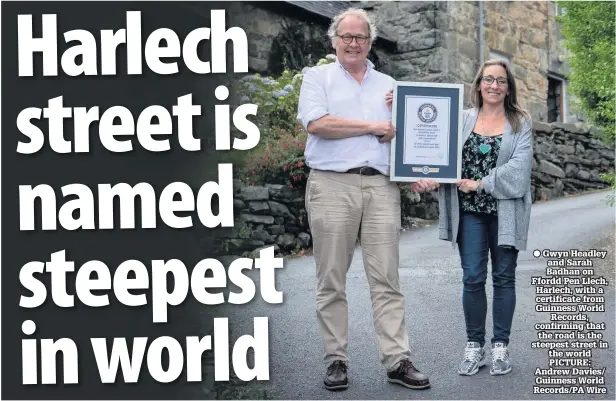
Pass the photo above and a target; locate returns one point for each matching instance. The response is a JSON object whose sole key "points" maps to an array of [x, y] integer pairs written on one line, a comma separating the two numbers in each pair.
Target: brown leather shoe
{"points": [[336, 377], [408, 376]]}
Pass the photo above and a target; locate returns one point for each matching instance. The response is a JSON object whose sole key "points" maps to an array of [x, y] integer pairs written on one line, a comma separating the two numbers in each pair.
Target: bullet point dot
{"points": [[537, 253], [221, 93], [28, 327]]}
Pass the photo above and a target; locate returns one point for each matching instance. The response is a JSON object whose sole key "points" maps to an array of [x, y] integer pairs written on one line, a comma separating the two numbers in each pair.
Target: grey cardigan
{"points": [[508, 182]]}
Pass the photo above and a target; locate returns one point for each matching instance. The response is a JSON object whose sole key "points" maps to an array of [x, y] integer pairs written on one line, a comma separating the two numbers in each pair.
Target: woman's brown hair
{"points": [[514, 113]]}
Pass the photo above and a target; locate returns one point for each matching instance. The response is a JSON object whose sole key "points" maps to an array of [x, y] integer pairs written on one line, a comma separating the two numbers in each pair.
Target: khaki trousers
{"points": [[341, 208]]}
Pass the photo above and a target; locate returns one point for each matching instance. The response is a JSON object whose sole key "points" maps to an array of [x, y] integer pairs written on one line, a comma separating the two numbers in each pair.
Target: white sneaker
{"points": [[501, 363], [474, 358]]}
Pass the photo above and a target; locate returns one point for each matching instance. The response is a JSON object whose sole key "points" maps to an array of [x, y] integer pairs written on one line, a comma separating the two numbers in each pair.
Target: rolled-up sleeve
{"points": [[312, 103]]}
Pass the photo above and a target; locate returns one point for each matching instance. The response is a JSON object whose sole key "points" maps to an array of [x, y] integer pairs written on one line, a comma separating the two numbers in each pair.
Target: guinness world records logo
{"points": [[427, 113]]}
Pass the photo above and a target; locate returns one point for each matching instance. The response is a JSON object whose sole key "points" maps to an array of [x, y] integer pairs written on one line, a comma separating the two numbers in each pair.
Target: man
{"points": [[349, 195]]}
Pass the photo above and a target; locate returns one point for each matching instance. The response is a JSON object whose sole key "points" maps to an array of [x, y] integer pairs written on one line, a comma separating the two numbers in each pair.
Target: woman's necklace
{"points": [[484, 147]]}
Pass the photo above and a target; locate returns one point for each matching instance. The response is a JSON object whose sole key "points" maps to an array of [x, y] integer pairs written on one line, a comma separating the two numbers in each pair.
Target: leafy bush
{"points": [[592, 79], [592, 49], [276, 99], [281, 162]]}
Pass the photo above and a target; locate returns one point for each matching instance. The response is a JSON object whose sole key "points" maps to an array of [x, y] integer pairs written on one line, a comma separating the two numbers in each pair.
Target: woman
{"points": [[488, 210]]}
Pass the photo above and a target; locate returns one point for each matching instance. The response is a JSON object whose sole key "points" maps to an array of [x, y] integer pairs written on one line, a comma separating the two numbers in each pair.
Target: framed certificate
{"points": [[428, 141]]}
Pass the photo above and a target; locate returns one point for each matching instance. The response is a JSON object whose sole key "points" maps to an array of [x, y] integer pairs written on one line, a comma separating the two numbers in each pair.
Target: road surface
{"points": [[431, 279]]}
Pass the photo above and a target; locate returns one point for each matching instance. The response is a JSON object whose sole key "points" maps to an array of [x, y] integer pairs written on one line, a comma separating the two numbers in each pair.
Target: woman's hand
{"points": [[389, 98], [466, 185], [424, 185]]}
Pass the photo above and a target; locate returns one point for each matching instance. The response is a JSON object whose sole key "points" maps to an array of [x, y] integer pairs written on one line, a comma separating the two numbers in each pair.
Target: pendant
{"points": [[484, 148]]}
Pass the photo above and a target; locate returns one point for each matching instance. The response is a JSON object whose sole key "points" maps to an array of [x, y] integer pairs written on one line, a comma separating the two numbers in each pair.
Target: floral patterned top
{"points": [[479, 156]]}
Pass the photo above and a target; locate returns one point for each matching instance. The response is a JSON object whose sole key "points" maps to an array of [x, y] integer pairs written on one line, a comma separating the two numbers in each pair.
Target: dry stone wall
{"points": [[270, 215], [568, 160]]}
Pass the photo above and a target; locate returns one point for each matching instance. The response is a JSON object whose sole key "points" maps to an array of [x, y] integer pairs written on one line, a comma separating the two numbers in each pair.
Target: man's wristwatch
{"points": [[479, 189]]}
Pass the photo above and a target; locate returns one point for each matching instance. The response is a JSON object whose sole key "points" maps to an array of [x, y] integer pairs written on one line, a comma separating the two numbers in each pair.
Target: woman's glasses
{"points": [[489, 79]]}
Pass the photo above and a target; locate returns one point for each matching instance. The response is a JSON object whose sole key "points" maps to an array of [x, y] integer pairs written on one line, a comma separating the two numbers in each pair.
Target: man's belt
{"points": [[364, 171]]}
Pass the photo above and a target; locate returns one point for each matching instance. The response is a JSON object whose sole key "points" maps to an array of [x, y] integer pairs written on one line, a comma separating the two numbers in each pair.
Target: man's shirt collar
{"points": [[369, 65]]}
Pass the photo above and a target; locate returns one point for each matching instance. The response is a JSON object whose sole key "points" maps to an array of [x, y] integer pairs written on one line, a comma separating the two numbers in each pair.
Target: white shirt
{"points": [[330, 89]]}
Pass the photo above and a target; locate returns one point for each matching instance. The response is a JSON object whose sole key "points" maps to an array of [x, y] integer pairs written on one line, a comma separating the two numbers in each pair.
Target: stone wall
{"points": [[520, 30], [461, 45], [301, 36], [557, 51], [439, 42], [417, 28], [558, 65], [262, 28], [265, 216], [567, 160]]}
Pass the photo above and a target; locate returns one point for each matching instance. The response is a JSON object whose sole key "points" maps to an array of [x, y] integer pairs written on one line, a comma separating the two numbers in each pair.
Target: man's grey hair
{"points": [[354, 12]]}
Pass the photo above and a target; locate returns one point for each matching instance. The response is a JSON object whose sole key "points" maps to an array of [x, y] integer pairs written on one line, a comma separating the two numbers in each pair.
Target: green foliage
{"points": [[279, 157], [282, 162], [276, 99], [244, 231], [589, 30]]}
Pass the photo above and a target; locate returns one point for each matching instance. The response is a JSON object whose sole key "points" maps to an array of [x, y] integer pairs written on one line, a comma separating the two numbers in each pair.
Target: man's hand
{"points": [[385, 131], [424, 185], [466, 185], [389, 99]]}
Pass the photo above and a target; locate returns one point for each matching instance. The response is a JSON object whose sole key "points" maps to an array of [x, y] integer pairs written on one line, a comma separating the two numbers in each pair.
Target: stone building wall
{"points": [[567, 160], [439, 42], [262, 27], [461, 45], [558, 62], [417, 28], [267, 26], [520, 30], [556, 39]]}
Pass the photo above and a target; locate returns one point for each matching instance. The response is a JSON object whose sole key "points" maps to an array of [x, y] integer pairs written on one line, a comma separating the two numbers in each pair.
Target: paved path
{"points": [[431, 280]]}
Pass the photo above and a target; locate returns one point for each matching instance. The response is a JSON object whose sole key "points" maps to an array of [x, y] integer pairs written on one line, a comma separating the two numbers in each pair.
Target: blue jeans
{"points": [[478, 236]]}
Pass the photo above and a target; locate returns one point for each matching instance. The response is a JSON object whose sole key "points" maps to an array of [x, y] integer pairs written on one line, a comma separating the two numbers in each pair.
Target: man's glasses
{"points": [[360, 39], [488, 79]]}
